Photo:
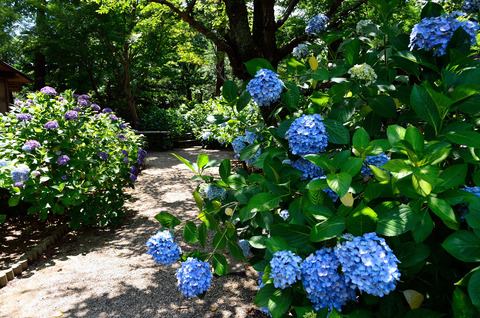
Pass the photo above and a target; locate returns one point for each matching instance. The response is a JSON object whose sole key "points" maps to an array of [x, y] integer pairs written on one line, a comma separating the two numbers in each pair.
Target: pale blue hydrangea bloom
{"points": [[377, 161], [310, 170], [265, 87], [71, 115], [239, 144], [368, 264], [35, 173], [325, 286], [435, 33], [19, 184], [194, 277], [163, 249], [210, 192], [250, 137], [51, 125], [307, 135], [284, 214], [316, 24], [474, 190], [363, 72], [62, 160], [3, 162], [20, 173], [245, 246], [26, 148], [47, 90], [285, 269], [471, 6], [301, 51], [24, 117], [206, 135]]}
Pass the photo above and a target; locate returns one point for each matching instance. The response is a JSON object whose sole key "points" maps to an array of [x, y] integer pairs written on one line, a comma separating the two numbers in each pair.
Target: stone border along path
{"points": [[107, 273]]}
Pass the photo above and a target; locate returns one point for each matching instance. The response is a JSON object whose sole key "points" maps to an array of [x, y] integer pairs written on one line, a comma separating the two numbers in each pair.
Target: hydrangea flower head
{"points": [[285, 269], [122, 126], [434, 33], [107, 110], [124, 152], [62, 160], [307, 135], [24, 117], [471, 6], [301, 51], [363, 72], [83, 97], [265, 87], [47, 90], [20, 173], [474, 190], [239, 144], [95, 107], [19, 184], [250, 137], [316, 24], [284, 214], [51, 125], [83, 102], [141, 156], [325, 286], [377, 161], [31, 145], [3, 162], [134, 170], [310, 170], [103, 155], [64, 178], [210, 192], [163, 249], [122, 136], [133, 177], [113, 118], [368, 264], [71, 115], [77, 109], [35, 173], [252, 160], [194, 277]]}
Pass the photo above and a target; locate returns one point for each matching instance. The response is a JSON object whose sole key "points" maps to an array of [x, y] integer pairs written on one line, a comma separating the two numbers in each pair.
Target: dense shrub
{"points": [[363, 196], [64, 155]]}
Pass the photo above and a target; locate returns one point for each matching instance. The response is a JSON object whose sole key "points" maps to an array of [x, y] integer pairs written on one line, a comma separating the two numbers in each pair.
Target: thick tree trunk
{"points": [[220, 72]]}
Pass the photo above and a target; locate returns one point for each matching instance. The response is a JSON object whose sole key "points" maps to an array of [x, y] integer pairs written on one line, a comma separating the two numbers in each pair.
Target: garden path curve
{"points": [[104, 273]]}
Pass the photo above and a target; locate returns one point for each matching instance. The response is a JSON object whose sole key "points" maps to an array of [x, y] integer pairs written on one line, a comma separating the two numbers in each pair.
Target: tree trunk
{"points": [[220, 72], [39, 71]]}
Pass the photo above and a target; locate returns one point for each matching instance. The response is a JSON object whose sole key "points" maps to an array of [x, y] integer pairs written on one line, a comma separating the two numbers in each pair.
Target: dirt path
{"points": [[103, 273]]}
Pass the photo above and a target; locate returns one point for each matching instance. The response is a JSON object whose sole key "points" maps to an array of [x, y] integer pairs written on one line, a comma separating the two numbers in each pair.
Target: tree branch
{"points": [[288, 48], [190, 6], [346, 12], [286, 14]]}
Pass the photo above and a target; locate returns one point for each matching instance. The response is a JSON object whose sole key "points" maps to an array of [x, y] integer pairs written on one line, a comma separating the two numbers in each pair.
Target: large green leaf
{"points": [[444, 211], [410, 254], [423, 228], [263, 202], [243, 100], [264, 295], [219, 264], [452, 177], [383, 105], [254, 65], [225, 169], [202, 234], [297, 236], [474, 289], [463, 245], [328, 229], [337, 133], [202, 160], [186, 162], [397, 221], [230, 91], [424, 106], [360, 139], [352, 51], [190, 232], [280, 302], [339, 182], [462, 306], [395, 134], [361, 222], [291, 95], [415, 138], [277, 243], [465, 138], [167, 220], [235, 250]]}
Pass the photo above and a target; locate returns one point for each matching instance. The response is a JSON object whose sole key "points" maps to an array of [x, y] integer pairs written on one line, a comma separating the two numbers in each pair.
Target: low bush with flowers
{"points": [[360, 196], [63, 154]]}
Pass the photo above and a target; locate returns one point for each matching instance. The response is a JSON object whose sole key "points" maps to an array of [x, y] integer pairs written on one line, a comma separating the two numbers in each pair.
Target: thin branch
{"points": [[345, 13], [287, 13], [190, 6]]}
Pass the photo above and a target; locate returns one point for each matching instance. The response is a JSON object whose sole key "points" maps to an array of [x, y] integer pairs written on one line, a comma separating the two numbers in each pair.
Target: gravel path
{"points": [[104, 273]]}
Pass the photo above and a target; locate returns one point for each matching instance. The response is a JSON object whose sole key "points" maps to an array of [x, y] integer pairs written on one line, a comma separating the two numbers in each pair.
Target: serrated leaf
{"points": [[190, 232], [167, 220], [230, 91], [362, 221], [463, 245], [327, 229], [263, 202], [443, 210], [280, 302], [202, 234], [337, 133], [219, 264]]}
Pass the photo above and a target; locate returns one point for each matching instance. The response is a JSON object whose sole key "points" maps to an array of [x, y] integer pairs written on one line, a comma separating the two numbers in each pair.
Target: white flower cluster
{"points": [[363, 72]]}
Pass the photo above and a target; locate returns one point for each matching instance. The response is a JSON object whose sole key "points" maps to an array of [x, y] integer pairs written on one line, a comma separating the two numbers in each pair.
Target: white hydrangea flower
{"points": [[363, 72]]}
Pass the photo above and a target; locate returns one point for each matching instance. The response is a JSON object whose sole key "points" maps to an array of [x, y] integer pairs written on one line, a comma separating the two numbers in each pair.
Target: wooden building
{"points": [[11, 80]]}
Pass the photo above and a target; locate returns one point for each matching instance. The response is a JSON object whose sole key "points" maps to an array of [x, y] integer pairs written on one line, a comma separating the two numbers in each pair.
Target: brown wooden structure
{"points": [[11, 80]]}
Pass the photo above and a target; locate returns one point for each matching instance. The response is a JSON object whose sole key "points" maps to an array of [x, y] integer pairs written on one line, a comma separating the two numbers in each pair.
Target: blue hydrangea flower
{"points": [[252, 160], [124, 152], [239, 144], [20, 173], [95, 107], [18, 103], [47, 90], [113, 118], [64, 178], [163, 249], [250, 137], [325, 286], [377, 161], [368, 264], [310, 170], [35, 173], [285, 269], [19, 184], [122, 136], [122, 126], [83, 102], [83, 97], [434, 33], [307, 135], [71, 115], [3, 162], [301, 51], [24, 117], [58, 152], [126, 160], [141, 156], [107, 110], [103, 155], [265, 87], [51, 125], [245, 246], [62, 160], [206, 135], [26, 148], [77, 109], [194, 277], [316, 24], [210, 192], [474, 190], [284, 214], [133, 177], [31, 145], [471, 6], [134, 170]]}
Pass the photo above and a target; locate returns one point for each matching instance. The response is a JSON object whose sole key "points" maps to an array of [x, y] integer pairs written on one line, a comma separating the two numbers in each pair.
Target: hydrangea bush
{"points": [[380, 182], [65, 156]]}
